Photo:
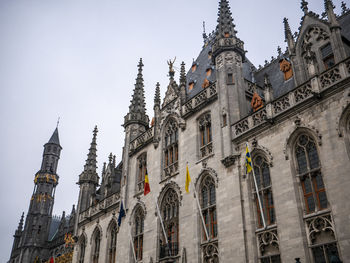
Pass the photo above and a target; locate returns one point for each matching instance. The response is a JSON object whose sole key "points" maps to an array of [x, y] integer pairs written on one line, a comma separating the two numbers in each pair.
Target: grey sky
{"points": [[77, 59]]}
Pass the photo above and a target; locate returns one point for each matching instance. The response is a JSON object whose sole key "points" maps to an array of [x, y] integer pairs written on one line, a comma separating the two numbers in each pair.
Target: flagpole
{"points": [[133, 248], [200, 211], [161, 222], [257, 192]]}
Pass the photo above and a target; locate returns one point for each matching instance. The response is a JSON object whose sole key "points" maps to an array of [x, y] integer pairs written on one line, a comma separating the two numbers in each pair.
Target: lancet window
{"points": [[309, 172], [96, 246], [208, 209], [205, 135], [82, 250], [141, 172], [138, 229], [171, 148], [263, 181], [169, 245], [112, 243]]}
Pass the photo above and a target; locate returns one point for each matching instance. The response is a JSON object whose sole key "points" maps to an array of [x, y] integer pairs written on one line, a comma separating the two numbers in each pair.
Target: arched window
{"points": [[309, 172], [171, 148], [205, 135], [96, 246], [170, 215], [208, 210], [263, 181], [138, 233], [82, 249], [141, 172], [112, 243]]}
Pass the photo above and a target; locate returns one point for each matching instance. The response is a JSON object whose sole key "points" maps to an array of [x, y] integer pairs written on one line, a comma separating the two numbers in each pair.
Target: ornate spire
{"points": [[304, 6], [328, 5], [20, 225], [183, 74], [137, 108], [288, 35], [205, 37], [157, 95], [225, 27], [329, 9]]}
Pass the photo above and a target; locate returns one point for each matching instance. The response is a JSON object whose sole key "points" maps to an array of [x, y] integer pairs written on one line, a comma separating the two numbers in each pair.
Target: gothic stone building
{"points": [[295, 115]]}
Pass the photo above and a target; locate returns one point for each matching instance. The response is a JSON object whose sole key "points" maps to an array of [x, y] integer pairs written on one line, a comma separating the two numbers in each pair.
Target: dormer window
{"points": [[327, 56], [191, 85], [208, 72], [227, 34], [210, 54]]}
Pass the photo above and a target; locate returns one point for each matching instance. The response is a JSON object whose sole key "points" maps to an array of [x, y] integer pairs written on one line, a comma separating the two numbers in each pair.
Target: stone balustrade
{"points": [[300, 94], [141, 140]]}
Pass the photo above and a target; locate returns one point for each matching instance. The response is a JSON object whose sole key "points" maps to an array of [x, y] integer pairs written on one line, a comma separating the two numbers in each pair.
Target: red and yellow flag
{"points": [[147, 189]]}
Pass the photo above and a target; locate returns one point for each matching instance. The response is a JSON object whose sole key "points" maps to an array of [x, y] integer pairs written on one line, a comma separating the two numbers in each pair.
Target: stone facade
{"points": [[299, 139]]}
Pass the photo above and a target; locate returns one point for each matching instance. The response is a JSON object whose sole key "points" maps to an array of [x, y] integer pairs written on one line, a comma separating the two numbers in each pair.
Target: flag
{"points": [[147, 189], [121, 213], [248, 160], [188, 180]]}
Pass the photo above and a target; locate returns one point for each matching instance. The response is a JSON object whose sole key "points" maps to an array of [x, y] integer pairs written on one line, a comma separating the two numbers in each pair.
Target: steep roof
{"points": [[54, 137]]}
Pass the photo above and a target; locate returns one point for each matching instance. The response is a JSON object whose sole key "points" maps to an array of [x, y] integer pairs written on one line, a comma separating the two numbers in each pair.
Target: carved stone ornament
{"points": [[229, 160], [210, 253], [171, 93], [205, 171], [229, 58], [219, 62], [320, 227], [313, 35], [268, 240], [264, 151]]}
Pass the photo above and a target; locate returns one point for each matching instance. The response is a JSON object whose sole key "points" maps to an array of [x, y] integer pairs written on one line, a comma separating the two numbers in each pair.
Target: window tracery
{"points": [[208, 210], [205, 134], [170, 214], [112, 243], [309, 173], [141, 172], [138, 230], [171, 148], [96, 246]]}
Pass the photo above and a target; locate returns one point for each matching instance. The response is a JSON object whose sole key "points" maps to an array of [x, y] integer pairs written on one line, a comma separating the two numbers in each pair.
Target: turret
{"points": [[88, 179], [228, 56], [36, 229], [156, 121]]}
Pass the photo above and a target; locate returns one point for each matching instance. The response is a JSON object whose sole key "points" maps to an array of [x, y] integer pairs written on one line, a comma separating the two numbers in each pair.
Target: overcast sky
{"points": [[77, 60]]}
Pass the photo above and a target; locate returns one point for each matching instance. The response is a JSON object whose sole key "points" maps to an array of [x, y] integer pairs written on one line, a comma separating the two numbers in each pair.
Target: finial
{"points": [[140, 65], [114, 160], [287, 31], [328, 4], [304, 6], [343, 8], [104, 168], [73, 210], [183, 74], [58, 122], [279, 51], [225, 27], [63, 215], [171, 68], [20, 225], [110, 158], [95, 131]]}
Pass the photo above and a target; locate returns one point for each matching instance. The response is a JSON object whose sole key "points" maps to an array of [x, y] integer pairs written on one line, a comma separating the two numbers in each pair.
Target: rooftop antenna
{"points": [[58, 122]]}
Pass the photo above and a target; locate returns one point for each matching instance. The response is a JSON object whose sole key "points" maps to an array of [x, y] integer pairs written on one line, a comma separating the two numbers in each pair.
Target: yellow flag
{"points": [[188, 180], [248, 160]]}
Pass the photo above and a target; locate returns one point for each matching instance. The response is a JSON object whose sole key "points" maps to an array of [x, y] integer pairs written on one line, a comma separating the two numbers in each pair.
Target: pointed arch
{"points": [[165, 188], [135, 208], [261, 150], [82, 242], [95, 243], [111, 235], [137, 229], [206, 171]]}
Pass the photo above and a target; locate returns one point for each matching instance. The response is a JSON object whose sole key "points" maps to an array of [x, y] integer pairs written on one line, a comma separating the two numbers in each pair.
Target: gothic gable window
{"points": [[141, 172], [171, 148], [309, 173], [96, 245], [263, 180], [205, 135], [169, 210], [81, 254], [208, 209], [138, 229], [112, 243]]}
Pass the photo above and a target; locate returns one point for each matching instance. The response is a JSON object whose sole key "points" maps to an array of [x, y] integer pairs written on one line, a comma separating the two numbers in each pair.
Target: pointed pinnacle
{"points": [[20, 225], [157, 95], [182, 74], [110, 158], [287, 31], [328, 5], [343, 8], [225, 27], [90, 163], [267, 82]]}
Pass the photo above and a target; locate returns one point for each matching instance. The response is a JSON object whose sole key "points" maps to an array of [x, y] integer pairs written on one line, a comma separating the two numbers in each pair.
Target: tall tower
{"points": [[88, 179], [135, 122], [228, 56], [36, 229]]}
